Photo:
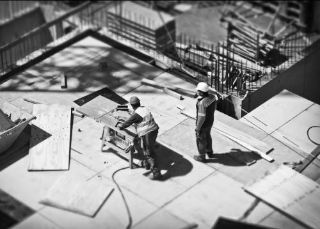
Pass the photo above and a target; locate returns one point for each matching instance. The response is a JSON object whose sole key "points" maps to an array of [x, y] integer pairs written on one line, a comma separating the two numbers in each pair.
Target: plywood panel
{"points": [[97, 107], [78, 193], [295, 131], [290, 192], [216, 195], [277, 111], [50, 138]]}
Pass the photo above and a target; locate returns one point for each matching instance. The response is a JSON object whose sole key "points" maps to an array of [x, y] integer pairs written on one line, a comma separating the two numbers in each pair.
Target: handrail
{"points": [[46, 25]]}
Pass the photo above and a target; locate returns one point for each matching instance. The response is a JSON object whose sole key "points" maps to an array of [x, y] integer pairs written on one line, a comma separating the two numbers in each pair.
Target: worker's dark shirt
{"points": [[205, 108], [134, 119]]}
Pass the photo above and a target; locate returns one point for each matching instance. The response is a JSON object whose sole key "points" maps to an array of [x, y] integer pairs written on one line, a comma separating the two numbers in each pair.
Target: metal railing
{"points": [[42, 39]]}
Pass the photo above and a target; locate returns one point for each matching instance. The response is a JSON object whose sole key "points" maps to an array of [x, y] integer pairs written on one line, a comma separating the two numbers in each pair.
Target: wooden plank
{"points": [[260, 145], [50, 138], [97, 107], [184, 91], [308, 160], [291, 193], [78, 193]]}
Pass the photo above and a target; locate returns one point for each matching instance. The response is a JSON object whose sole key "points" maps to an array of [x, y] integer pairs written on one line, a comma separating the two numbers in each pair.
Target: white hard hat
{"points": [[202, 86]]}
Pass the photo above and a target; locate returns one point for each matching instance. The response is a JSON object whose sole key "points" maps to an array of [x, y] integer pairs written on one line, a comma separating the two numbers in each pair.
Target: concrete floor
{"points": [[191, 192]]}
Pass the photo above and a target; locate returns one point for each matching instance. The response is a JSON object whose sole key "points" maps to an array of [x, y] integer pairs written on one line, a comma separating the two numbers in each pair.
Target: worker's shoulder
{"points": [[142, 111], [207, 101]]}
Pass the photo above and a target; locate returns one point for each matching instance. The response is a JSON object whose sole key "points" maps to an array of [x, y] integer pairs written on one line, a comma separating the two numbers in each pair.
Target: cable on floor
{"points": [[122, 195]]}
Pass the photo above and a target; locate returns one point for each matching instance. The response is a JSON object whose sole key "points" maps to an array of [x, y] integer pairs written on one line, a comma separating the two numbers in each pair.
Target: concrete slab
{"points": [[161, 219], [37, 221], [30, 187], [113, 213], [209, 199]]}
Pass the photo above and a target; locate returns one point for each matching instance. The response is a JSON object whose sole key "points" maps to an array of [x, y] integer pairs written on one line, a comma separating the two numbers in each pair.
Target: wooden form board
{"points": [[291, 193], [50, 138], [239, 137], [78, 193], [97, 107], [278, 110]]}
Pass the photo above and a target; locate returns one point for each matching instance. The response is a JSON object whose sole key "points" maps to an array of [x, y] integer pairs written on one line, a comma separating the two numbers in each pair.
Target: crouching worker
{"points": [[147, 130]]}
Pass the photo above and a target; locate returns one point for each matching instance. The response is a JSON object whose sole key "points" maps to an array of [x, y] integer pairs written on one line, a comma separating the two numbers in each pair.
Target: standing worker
{"points": [[206, 106], [147, 130]]}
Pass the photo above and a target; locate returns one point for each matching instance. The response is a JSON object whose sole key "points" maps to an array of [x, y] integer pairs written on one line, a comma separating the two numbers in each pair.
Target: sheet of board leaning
{"points": [[49, 147]]}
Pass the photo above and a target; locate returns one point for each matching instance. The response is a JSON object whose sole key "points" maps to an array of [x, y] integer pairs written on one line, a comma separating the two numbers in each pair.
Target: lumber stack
{"points": [[147, 27]]}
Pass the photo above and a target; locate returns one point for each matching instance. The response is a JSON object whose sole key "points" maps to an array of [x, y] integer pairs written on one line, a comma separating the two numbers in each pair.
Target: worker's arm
{"points": [[135, 118], [201, 118]]}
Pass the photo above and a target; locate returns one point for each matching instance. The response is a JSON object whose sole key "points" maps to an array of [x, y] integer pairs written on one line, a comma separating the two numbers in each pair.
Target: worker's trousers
{"points": [[148, 142], [204, 141]]}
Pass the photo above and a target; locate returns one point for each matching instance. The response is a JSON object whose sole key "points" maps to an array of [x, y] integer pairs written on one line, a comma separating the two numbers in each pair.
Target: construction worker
{"points": [[206, 105], [147, 130]]}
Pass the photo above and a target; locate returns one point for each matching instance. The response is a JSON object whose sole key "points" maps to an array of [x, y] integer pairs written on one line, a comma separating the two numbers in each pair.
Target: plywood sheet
{"points": [[295, 131], [291, 193], [78, 193], [97, 107], [214, 196], [277, 111], [50, 138]]}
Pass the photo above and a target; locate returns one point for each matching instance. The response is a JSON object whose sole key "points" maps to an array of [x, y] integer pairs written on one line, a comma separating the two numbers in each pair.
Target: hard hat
{"points": [[134, 100], [202, 86]]}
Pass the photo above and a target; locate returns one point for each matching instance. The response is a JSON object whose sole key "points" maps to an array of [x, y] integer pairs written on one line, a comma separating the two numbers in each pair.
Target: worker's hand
{"points": [[119, 125], [197, 133]]}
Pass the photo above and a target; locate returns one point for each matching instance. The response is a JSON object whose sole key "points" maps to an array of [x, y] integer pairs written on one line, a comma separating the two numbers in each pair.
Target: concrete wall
{"points": [[303, 79], [316, 16], [12, 30]]}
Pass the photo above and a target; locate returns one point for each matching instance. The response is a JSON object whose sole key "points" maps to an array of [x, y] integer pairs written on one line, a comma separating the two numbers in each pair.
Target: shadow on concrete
{"points": [[38, 136], [18, 150], [236, 157], [175, 164]]}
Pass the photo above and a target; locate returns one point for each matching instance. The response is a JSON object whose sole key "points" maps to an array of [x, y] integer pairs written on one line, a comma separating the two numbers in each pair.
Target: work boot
{"points": [[156, 175], [210, 155], [200, 158], [146, 165]]}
